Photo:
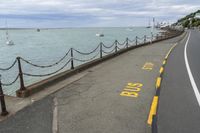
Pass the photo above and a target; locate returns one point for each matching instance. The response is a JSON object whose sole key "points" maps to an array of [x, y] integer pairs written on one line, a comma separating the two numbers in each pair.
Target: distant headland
{"points": [[189, 21]]}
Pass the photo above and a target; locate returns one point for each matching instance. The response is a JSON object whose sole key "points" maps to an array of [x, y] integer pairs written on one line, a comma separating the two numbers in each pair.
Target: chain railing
{"points": [[8, 68], [99, 52], [49, 74], [45, 66]]}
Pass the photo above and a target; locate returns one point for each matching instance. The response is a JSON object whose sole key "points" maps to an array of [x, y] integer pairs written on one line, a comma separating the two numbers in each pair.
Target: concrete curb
{"points": [[152, 118]]}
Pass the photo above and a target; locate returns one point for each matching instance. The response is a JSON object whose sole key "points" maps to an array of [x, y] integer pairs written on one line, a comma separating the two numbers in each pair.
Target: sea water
{"points": [[49, 45]]}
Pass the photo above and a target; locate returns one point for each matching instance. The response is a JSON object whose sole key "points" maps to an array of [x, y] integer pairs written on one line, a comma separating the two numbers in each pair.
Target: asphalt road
{"points": [[179, 110], [36, 118]]}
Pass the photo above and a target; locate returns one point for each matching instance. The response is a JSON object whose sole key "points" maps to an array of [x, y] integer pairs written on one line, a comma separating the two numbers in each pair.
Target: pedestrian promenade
{"points": [[111, 97]]}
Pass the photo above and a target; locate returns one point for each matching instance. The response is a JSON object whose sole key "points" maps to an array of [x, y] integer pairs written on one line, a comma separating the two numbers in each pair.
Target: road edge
{"points": [[152, 117]]}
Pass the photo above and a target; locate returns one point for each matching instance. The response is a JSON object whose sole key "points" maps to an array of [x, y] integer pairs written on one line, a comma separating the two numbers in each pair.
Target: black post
{"points": [[156, 36], [145, 37], [22, 87], [72, 60], [115, 46], [127, 42], [3, 104], [101, 50], [136, 40]]}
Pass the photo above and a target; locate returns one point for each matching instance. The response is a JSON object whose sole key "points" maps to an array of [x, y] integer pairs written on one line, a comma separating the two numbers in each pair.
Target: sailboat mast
{"points": [[153, 25], [7, 36], [149, 23]]}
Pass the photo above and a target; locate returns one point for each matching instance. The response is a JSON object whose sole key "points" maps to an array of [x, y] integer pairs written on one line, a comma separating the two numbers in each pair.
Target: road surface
{"points": [[179, 105]]}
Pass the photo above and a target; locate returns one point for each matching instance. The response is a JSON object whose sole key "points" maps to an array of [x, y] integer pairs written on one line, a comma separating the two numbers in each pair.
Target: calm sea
{"points": [[49, 45]]}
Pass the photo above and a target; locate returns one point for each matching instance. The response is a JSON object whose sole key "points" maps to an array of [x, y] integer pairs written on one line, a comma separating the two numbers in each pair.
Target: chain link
{"points": [[44, 75], [11, 83], [8, 68], [86, 60], [88, 52], [108, 46], [122, 43], [105, 52], [43, 66], [131, 41]]}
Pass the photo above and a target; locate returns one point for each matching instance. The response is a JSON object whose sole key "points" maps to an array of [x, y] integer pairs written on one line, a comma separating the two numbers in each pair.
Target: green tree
{"points": [[193, 24], [198, 23], [186, 23]]}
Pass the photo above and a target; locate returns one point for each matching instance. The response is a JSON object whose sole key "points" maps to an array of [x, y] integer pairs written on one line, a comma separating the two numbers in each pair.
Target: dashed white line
{"points": [[192, 81], [55, 116]]}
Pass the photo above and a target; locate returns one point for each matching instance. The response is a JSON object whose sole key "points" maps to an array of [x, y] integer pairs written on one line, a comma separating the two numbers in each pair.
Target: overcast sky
{"points": [[92, 13]]}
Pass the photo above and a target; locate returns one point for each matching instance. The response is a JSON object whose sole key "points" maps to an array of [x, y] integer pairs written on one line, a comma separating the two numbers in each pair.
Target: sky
{"points": [[91, 13]]}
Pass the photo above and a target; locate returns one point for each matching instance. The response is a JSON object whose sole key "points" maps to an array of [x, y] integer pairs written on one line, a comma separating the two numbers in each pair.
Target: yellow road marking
{"points": [[135, 84], [164, 62], [153, 110], [167, 55], [161, 70], [131, 90], [129, 94], [148, 66], [158, 82]]}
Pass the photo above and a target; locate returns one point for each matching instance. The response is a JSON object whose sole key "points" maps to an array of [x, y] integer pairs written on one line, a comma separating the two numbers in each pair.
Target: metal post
{"points": [[145, 37], [101, 50], [3, 104], [72, 61], [116, 46], [136, 40], [156, 36], [127, 42], [151, 40], [22, 87]]}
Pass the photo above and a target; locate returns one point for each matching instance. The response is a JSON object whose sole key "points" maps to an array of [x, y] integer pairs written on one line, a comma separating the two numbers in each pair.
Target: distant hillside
{"points": [[189, 20]]}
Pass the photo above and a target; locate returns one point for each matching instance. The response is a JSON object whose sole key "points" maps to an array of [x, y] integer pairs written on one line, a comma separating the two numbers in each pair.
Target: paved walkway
{"points": [[112, 97]]}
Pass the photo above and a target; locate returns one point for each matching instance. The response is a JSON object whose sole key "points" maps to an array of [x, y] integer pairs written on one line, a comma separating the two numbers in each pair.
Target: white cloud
{"points": [[106, 10]]}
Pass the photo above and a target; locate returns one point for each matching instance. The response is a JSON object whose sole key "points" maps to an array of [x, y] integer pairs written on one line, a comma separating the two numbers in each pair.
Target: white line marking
{"points": [[55, 116], [192, 81]]}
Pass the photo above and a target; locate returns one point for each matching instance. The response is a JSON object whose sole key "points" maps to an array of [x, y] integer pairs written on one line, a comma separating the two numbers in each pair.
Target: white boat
{"points": [[8, 41], [100, 35], [130, 28]]}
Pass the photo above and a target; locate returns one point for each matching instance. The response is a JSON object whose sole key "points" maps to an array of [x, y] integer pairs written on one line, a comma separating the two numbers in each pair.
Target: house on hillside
{"points": [[197, 16]]}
